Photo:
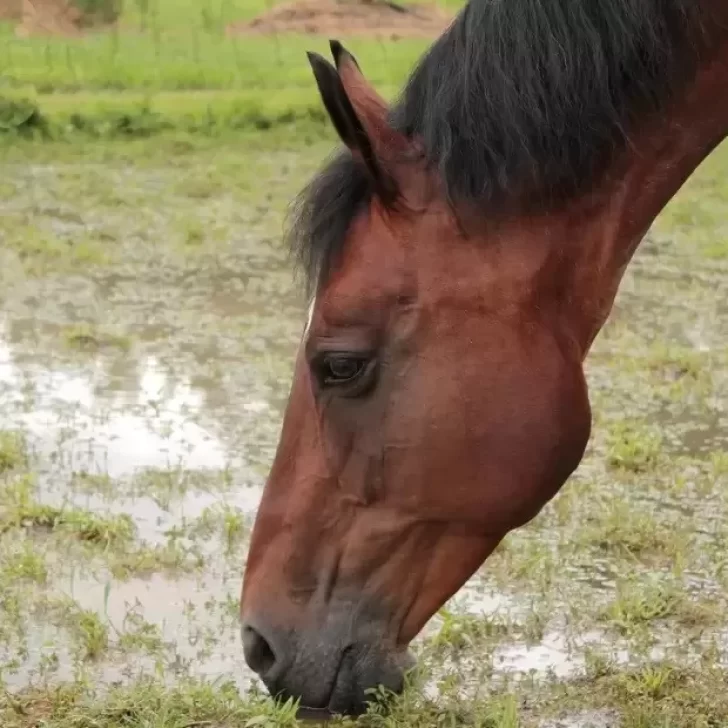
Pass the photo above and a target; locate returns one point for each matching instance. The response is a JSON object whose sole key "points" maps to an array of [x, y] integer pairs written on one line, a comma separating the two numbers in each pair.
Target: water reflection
{"points": [[113, 432]]}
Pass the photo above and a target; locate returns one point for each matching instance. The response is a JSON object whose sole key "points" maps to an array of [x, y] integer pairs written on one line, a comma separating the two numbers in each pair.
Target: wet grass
{"points": [[111, 538], [229, 524], [88, 630], [644, 603], [146, 703], [633, 447], [22, 562], [22, 511], [89, 338], [13, 452], [142, 390], [660, 696]]}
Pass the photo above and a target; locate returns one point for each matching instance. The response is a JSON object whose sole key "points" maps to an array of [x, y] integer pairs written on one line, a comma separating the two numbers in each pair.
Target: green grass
{"points": [[86, 337], [113, 538], [13, 450], [128, 114], [657, 696], [146, 704], [640, 603], [89, 631], [173, 66], [22, 510], [22, 561], [192, 59], [633, 447]]}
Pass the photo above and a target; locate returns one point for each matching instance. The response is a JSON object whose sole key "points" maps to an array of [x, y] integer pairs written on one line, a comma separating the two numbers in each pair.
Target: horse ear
{"points": [[371, 108], [359, 116]]}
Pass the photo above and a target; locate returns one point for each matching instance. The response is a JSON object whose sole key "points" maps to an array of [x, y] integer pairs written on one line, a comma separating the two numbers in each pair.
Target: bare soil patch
{"points": [[372, 18], [10, 9], [49, 17], [57, 17]]}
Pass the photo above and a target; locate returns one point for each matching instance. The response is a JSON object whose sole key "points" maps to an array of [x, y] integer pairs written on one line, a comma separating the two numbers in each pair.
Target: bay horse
{"points": [[463, 248]]}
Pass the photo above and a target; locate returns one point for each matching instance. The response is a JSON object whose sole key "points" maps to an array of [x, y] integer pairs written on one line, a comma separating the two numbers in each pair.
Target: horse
{"points": [[463, 249]]}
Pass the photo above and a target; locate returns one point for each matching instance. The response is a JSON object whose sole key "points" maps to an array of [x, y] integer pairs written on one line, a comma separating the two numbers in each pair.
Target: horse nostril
{"points": [[257, 650]]}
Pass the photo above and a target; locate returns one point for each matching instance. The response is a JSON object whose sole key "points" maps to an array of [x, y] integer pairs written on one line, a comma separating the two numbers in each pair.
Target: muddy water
{"points": [[191, 395]]}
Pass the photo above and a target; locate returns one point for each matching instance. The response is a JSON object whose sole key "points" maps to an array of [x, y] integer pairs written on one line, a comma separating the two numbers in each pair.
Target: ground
{"points": [[334, 18], [148, 321]]}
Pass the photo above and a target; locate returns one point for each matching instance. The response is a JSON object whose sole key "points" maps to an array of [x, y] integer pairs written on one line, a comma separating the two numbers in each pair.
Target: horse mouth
{"points": [[328, 712], [347, 694], [315, 715]]}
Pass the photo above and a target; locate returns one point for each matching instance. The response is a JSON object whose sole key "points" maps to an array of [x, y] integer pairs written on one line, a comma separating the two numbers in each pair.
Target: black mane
{"points": [[518, 99]]}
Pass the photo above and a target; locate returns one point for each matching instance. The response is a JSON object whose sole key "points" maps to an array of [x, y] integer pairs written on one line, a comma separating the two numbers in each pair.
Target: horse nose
{"points": [[325, 670], [260, 654]]}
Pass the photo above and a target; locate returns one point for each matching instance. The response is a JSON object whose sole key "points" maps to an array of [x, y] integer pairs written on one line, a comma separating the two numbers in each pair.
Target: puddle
{"points": [[552, 656], [585, 719], [112, 433]]}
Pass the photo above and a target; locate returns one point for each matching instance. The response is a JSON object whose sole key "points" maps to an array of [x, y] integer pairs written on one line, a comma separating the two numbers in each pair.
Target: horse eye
{"points": [[338, 369], [351, 371]]}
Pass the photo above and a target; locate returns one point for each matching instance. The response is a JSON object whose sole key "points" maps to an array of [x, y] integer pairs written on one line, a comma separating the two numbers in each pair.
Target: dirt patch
{"points": [[61, 17], [10, 10], [377, 18], [49, 17]]}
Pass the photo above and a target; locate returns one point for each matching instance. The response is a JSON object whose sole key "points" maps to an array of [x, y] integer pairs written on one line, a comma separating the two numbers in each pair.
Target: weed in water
{"points": [[13, 451], [632, 447], [461, 631], [23, 511], [87, 337], [22, 561], [640, 603], [139, 635], [97, 484], [626, 530], [145, 560], [223, 520], [88, 631]]}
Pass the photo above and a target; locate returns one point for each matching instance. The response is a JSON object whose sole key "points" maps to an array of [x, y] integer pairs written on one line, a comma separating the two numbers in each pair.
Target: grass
{"points": [[172, 66], [89, 632], [194, 59], [623, 530], [459, 632], [633, 447], [139, 635], [13, 450], [147, 560], [128, 114], [21, 510], [642, 603], [659, 696], [229, 522], [23, 562], [181, 44], [142, 705], [87, 337], [114, 538]]}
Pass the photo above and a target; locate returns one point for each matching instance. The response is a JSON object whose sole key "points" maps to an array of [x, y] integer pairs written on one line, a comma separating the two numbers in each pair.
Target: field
{"points": [[148, 323]]}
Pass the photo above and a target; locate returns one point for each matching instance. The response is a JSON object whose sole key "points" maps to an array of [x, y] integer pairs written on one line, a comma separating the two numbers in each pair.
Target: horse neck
{"points": [[607, 228]]}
